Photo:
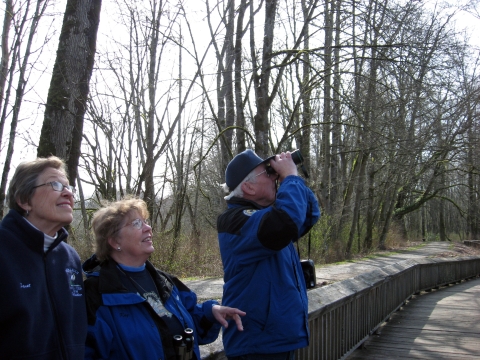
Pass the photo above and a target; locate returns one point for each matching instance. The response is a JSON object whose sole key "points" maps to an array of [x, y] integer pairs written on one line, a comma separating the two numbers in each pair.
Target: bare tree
{"points": [[67, 97], [25, 23], [353, 85], [7, 23]]}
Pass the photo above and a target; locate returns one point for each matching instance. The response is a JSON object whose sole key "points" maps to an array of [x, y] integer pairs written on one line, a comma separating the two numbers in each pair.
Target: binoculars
{"points": [[297, 158], [183, 345]]}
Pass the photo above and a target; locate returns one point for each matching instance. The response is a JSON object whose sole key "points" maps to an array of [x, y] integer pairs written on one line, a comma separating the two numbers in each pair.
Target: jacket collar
{"points": [[31, 236], [109, 277], [237, 201]]}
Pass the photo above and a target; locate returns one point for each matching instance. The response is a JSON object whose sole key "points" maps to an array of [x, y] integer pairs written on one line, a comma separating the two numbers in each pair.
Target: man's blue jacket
{"points": [[262, 271], [122, 325]]}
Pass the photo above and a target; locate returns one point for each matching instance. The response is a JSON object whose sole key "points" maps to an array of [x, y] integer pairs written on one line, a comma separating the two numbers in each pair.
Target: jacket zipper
{"points": [[53, 310]]}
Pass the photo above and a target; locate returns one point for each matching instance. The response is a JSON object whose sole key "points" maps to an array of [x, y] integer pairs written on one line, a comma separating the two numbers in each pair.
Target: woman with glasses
{"points": [[136, 311], [42, 303]]}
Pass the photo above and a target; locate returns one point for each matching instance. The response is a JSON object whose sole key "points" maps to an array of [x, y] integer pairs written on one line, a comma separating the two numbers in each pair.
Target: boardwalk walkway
{"points": [[328, 274], [442, 324]]}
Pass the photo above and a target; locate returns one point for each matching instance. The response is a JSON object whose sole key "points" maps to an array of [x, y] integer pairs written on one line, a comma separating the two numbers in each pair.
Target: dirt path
{"points": [[328, 274], [331, 273]]}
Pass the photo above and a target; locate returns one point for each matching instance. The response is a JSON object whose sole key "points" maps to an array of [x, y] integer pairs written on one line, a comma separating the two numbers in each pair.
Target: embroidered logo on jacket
{"points": [[249, 212], [72, 274]]}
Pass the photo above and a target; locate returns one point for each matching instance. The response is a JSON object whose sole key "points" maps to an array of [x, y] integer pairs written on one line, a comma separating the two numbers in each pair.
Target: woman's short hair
{"points": [[108, 221], [21, 187]]}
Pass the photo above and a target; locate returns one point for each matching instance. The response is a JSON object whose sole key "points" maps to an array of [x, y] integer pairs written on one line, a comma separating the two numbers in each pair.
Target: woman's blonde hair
{"points": [[109, 219]]}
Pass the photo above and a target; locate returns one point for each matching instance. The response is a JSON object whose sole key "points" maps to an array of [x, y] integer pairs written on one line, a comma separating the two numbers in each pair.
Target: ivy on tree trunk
{"points": [[62, 128]]}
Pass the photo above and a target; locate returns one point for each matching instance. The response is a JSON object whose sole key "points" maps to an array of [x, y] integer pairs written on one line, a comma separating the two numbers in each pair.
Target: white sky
{"points": [[31, 120]]}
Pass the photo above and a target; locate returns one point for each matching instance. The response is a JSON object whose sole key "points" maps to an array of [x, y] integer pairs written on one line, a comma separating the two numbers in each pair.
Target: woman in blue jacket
{"points": [[134, 310]]}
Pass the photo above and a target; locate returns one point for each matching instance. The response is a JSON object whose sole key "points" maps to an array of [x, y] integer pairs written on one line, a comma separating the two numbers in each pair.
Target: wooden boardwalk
{"points": [[442, 324]]}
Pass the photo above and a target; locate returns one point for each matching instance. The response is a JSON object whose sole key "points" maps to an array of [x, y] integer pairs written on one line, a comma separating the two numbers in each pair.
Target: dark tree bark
{"points": [[7, 22], [336, 175], [306, 92], [21, 82], [262, 80], [239, 103], [225, 97], [473, 223], [327, 106], [5, 72], [62, 128], [262, 70]]}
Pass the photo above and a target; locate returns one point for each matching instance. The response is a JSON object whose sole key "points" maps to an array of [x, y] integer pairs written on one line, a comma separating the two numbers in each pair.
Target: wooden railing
{"points": [[343, 315]]}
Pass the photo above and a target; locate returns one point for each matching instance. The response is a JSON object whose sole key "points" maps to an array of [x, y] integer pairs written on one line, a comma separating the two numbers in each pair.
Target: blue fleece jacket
{"points": [[42, 303]]}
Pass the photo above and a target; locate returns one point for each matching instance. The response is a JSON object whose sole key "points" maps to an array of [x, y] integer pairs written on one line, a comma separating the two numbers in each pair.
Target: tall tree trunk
{"points": [[180, 191], [423, 213], [390, 205], [363, 159], [262, 71], [442, 231], [336, 175], [62, 128], [262, 80], [370, 221], [19, 93], [348, 191], [473, 223], [228, 73], [85, 218], [7, 22], [195, 220], [225, 58], [5, 92], [306, 92], [239, 102], [327, 106]]}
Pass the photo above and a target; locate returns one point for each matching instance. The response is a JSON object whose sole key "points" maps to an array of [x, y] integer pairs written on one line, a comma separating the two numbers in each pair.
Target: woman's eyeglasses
{"points": [[136, 224], [58, 186]]}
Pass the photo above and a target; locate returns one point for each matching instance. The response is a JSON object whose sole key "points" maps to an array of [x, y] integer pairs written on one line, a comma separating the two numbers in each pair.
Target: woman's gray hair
{"points": [[237, 192], [108, 221], [21, 187]]}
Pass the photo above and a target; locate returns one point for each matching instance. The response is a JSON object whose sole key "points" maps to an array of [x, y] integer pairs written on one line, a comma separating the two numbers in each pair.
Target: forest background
{"points": [[154, 98]]}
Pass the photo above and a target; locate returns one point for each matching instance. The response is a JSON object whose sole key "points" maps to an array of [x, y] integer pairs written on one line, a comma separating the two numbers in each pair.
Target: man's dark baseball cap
{"points": [[240, 166]]}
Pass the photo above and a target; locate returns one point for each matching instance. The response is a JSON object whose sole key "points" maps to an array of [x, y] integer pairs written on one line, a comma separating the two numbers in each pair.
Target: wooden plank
{"points": [[428, 338], [433, 324], [386, 354], [467, 347], [442, 324]]}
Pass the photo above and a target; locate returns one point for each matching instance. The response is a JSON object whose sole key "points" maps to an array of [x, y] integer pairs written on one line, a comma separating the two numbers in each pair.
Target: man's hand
{"points": [[224, 313], [284, 165]]}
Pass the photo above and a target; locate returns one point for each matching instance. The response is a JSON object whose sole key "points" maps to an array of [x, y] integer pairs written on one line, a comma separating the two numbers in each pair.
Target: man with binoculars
{"points": [[262, 271]]}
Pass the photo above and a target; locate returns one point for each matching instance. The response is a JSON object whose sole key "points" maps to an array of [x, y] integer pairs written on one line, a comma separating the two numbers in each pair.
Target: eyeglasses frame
{"points": [[260, 173], [51, 183], [269, 172], [138, 227]]}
